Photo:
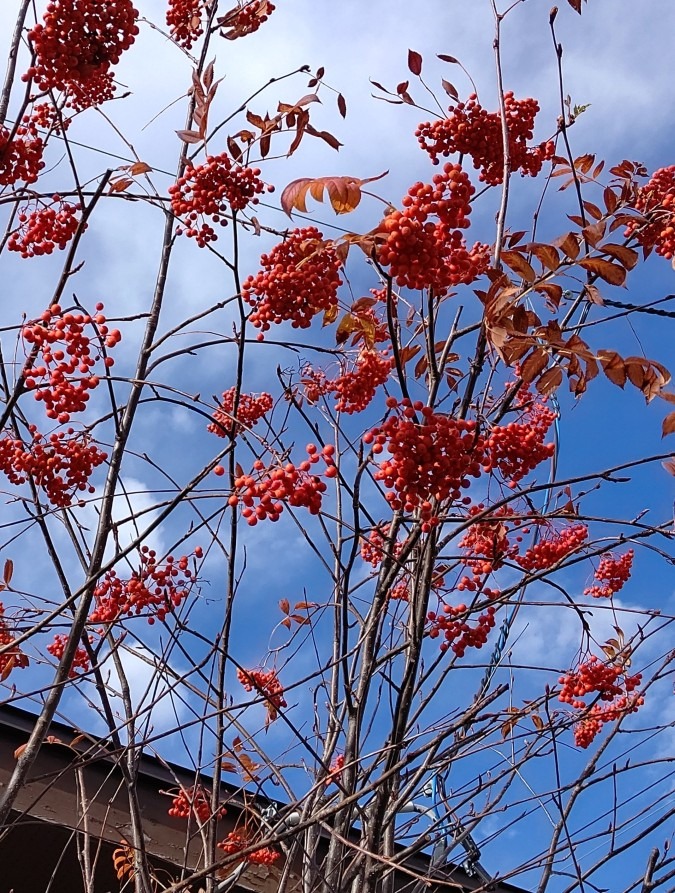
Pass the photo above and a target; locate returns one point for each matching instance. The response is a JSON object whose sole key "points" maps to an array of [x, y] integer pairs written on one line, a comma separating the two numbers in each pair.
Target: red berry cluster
{"points": [[61, 464], [65, 377], [335, 770], [656, 202], [44, 229], [553, 547], [607, 680], [209, 190], [20, 155], [80, 660], [422, 253], [356, 388], [78, 44], [160, 588], [470, 130], [612, 572], [486, 542], [195, 802], [299, 278], [458, 634], [431, 458], [250, 409], [315, 384], [236, 841], [247, 18], [46, 116], [599, 714], [375, 546], [13, 656], [282, 484], [517, 448], [266, 683], [184, 18]]}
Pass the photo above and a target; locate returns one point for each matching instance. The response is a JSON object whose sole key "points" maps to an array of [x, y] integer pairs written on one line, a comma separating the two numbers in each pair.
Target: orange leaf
{"points": [[668, 425], [516, 261], [344, 193], [284, 605], [613, 366], [550, 381], [612, 273]]}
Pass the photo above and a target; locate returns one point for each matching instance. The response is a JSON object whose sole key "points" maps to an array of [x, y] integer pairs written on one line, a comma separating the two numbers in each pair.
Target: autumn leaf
{"points": [[516, 261], [668, 425], [612, 273], [344, 193], [414, 62]]}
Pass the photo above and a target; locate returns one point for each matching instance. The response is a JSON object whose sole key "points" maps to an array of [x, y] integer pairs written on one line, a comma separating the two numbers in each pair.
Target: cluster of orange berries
{"points": [[376, 544], [158, 588], [249, 18], [612, 572], [13, 656], [250, 409], [236, 841], [335, 770], [553, 547], [356, 387], [423, 253], [518, 448], [80, 659], [458, 634], [432, 457], [184, 18], [20, 155], [193, 802], [470, 130], [266, 683], [209, 190], [65, 378], [60, 464], [604, 679], [656, 202], [45, 228], [591, 724], [486, 542], [284, 484], [299, 278], [78, 44]]}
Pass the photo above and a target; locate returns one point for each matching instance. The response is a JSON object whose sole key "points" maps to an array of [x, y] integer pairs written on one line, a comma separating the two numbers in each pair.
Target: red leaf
{"points": [[414, 62]]}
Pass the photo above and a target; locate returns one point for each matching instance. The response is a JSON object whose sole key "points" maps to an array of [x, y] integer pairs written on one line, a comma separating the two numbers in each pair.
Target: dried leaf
{"points": [[189, 136], [613, 366], [344, 193], [570, 245], [8, 571], [534, 364], [519, 265], [450, 89], [414, 62], [628, 257], [668, 425], [550, 381], [139, 167], [284, 605], [445, 58], [547, 255], [612, 273], [342, 105]]}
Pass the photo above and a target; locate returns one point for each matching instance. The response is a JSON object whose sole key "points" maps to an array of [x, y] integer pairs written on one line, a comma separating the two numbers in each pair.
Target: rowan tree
{"points": [[304, 451]]}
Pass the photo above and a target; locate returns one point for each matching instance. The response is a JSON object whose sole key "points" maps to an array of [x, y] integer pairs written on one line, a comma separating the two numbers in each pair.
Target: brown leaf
{"points": [[284, 605], [414, 62], [534, 364], [594, 296], [537, 721], [445, 58], [613, 366], [7, 572], [450, 89], [626, 256], [550, 381], [189, 136], [139, 167], [344, 193], [547, 255], [235, 149], [594, 232], [342, 105], [668, 425], [570, 245], [516, 261], [584, 163], [612, 273], [611, 200], [330, 315], [593, 210], [407, 353], [669, 466]]}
